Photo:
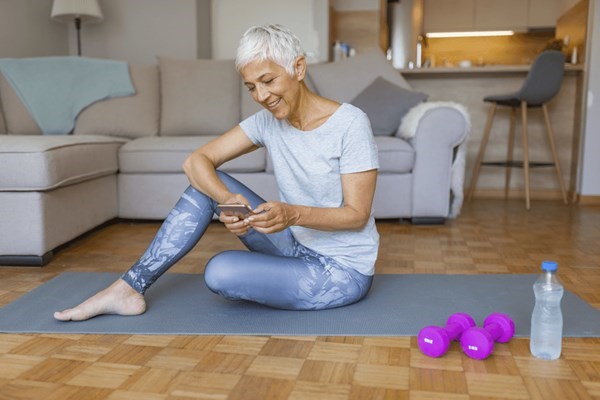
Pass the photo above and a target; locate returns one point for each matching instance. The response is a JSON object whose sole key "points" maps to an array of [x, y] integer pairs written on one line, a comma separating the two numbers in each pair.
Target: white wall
{"points": [[231, 18], [590, 150], [136, 31], [26, 30]]}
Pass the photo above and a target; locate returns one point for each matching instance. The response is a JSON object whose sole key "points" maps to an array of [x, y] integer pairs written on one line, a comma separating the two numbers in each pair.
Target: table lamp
{"points": [[79, 11]]}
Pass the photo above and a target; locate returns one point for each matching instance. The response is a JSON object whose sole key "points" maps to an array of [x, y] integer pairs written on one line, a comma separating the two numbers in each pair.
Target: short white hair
{"points": [[269, 42]]}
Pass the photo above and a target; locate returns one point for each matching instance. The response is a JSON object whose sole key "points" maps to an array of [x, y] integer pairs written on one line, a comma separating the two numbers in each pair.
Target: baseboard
{"points": [[517, 194], [428, 220], [25, 261], [588, 200]]}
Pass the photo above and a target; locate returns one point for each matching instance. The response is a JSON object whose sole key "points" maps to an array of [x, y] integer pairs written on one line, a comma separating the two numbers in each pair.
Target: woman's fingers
{"points": [[233, 224]]}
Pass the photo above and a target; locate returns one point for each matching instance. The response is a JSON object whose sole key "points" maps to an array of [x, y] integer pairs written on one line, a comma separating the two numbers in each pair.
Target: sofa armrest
{"points": [[439, 133]]}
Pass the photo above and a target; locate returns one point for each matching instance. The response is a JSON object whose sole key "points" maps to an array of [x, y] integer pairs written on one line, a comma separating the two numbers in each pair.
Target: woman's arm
{"points": [[358, 189], [200, 167]]}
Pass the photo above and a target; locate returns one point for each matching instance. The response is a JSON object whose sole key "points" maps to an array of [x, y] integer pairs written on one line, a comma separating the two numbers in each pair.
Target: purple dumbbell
{"points": [[478, 343], [434, 341]]}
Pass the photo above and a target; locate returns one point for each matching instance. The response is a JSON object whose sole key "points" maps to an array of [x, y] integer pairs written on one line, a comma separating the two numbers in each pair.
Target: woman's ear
{"points": [[300, 68]]}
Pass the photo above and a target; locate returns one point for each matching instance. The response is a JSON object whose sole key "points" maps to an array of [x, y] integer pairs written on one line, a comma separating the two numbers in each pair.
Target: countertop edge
{"points": [[478, 70]]}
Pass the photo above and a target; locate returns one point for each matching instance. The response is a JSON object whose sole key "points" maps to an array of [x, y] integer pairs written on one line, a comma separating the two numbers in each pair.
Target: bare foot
{"points": [[118, 298]]}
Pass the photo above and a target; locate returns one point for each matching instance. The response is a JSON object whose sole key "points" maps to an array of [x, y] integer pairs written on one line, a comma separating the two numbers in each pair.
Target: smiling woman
{"points": [[315, 248]]}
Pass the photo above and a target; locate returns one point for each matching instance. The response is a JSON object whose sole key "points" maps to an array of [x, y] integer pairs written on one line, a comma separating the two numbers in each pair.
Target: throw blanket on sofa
{"points": [[408, 130], [56, 89]]}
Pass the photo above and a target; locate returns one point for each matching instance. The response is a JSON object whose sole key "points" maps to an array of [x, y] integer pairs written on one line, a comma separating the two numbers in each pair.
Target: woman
{"points": [[316, 248]]}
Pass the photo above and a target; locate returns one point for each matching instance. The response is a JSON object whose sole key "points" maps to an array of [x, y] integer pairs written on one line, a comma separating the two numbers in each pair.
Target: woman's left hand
{"points": [[272, 217]]}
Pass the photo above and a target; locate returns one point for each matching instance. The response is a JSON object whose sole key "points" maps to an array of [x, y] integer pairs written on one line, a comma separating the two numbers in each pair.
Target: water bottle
{"points": [[547, 320]]}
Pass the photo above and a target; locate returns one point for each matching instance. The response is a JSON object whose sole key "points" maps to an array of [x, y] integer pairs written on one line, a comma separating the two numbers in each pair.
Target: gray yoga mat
{"points": [[397, 305]]}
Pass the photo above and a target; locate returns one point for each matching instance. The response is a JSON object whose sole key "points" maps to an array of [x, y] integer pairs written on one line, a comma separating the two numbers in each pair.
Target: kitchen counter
{"points": [[479, 70], [468, 86]]}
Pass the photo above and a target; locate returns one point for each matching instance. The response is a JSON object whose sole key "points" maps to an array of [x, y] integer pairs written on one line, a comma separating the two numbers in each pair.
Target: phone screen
{"points": [[236, 209]]}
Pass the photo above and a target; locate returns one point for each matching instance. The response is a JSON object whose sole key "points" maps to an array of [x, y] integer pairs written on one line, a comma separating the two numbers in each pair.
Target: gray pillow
{"points": [[385, 104]]}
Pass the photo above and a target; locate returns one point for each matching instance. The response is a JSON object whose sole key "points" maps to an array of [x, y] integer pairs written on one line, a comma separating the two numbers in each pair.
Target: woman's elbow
{"points": [[187, 165], [361, 219]]}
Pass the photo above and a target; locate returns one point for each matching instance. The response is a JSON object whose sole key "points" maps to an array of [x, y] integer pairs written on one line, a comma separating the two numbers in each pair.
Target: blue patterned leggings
{"points": [[277, 271]]}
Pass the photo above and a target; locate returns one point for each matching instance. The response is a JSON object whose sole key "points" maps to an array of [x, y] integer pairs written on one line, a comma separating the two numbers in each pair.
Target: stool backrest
{"points": [[544, 78]]}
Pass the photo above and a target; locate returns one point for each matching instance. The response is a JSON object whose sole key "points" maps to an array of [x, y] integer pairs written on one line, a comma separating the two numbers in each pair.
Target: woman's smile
{"points": [[273, 104]]}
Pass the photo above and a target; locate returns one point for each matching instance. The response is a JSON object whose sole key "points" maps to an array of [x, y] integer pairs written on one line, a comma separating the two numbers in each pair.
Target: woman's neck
{"points": [[312, 110]]}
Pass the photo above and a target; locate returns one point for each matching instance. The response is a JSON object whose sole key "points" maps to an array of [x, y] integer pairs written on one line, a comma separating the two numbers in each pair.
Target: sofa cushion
{"points": [[395, 155], [2, 123], [167, 154], [385, 104], [345, 79], [17, 117], [54, 161], [131, 116], [199, 97]]}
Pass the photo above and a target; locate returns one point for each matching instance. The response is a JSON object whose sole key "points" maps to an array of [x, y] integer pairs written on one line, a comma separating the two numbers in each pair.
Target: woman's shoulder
{"points": [[348, 109], [350, 114]]}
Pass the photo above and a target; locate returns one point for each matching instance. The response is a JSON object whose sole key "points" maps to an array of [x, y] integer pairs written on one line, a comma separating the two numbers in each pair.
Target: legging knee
{"points": [[219, 273]]}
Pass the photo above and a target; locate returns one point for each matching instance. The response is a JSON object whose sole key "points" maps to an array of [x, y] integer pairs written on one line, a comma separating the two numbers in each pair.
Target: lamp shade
{"points": [[68, 10]]}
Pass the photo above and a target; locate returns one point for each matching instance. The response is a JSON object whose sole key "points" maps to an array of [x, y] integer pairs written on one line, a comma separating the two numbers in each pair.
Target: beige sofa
{"points": [[124, 157]]}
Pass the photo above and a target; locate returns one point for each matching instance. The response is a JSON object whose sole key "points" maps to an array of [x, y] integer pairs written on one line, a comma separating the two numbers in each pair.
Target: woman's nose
{"points": [[261, 94]]}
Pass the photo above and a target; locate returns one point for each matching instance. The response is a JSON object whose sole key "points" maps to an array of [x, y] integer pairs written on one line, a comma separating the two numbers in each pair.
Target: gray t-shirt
{"points": [[308, 167]]}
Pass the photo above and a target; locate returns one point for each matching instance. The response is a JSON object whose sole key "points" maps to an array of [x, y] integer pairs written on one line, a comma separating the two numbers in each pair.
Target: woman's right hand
{"points": [[233, 223]]}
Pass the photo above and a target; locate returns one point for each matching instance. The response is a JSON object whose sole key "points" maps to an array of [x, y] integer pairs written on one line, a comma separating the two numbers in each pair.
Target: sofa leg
{"points": [[26, 261], [428, 220]]}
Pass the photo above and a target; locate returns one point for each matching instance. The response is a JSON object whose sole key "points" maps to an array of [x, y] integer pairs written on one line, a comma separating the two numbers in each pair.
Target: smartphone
{"points": [[240, 210]]}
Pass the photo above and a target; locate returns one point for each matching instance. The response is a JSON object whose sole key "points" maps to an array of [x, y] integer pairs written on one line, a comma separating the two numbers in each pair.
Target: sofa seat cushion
{"points": [[395, 155], [167, 154], [38, 163]]}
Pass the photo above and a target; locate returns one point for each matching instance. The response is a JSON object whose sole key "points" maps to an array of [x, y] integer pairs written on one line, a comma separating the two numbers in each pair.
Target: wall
{"points": [[26, 30], [590, 161], [231, 18], [137, 33], [204, 28]]}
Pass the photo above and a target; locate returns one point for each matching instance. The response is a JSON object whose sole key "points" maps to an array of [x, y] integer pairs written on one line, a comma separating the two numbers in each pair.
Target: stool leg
{"points": [[482, 146], [525, 153], [554, 153], [511, 146]]}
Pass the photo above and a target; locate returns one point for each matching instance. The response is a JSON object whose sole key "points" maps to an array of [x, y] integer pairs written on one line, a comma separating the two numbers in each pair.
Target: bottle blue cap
{"points": [[549, 265]]}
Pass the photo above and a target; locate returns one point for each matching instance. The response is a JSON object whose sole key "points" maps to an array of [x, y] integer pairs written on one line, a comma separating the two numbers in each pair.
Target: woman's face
{"points": [[272, 87]]}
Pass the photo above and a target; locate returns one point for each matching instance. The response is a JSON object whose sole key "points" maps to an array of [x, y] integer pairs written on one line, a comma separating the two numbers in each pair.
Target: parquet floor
{"points": [[491, 236]]}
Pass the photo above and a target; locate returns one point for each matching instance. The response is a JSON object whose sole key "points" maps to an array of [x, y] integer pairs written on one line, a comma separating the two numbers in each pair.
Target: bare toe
{"points": [[119, 298]]}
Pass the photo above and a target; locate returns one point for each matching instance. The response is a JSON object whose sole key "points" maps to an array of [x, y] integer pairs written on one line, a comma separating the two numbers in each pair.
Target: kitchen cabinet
{"points": [[483, 15], [543, 13], [448, 15], [500, 15]]}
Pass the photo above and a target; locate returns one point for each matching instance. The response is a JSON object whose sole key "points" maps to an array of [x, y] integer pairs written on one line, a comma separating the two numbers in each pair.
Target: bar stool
{"points": [[541, 85]]}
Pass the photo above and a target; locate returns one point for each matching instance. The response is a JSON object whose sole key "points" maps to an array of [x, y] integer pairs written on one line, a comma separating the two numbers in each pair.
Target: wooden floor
{"points": [[490, 237]]}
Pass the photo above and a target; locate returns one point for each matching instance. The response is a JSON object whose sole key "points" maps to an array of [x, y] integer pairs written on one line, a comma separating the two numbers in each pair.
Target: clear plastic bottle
{"points": [[547, 320]]}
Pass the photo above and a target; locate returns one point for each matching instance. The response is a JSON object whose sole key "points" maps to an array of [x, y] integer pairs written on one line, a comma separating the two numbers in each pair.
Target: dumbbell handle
{"points": [[454, 330], [494, 329]]}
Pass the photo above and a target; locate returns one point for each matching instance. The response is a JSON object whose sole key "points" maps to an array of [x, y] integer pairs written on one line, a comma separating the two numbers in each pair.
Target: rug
{"points": [[397, 305]]}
